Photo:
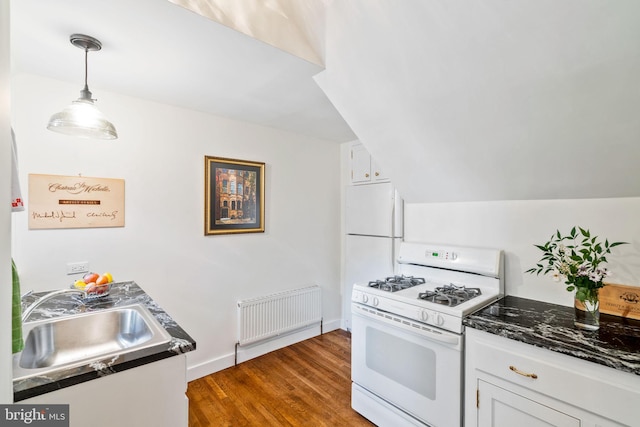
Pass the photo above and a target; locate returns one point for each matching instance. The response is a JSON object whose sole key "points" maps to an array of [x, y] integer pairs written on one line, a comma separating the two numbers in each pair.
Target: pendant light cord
{"points": [[86, 67], [85, 93]]}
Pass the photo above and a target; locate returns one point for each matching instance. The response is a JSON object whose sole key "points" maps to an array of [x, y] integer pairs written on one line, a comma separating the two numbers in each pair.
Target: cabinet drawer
{"points": [[592, 387]]}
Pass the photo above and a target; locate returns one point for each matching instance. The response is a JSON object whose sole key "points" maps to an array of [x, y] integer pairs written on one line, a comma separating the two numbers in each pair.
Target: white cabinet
{"points": [[502, 407], [148, 395], [364, 170], [509, 383]]}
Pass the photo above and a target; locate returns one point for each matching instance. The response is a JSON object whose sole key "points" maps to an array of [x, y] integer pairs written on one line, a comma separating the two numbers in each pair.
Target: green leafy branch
{"points": [[577, 257]]}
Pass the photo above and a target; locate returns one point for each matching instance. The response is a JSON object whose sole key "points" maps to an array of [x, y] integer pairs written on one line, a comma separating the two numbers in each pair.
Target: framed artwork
{"points": [[60, 201], [234, 196]]}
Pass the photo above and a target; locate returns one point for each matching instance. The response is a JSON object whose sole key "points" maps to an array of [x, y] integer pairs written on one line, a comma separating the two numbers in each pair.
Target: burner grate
{"points": [[450, 295], [396, 283]]}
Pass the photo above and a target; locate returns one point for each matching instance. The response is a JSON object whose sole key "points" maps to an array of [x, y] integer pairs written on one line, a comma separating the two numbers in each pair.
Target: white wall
{"points": [[160, 155], [6, 391], [515, 226]]}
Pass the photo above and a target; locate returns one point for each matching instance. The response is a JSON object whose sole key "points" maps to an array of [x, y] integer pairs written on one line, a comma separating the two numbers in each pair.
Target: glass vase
{"points": [[587, 313]]}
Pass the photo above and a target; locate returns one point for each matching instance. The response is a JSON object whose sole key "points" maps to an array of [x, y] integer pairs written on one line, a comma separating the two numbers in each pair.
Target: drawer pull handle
{"points": [[524, 374]]}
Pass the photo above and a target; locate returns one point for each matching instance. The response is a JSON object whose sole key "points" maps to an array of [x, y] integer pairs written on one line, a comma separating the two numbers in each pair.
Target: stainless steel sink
{"points": [[79, 339]]}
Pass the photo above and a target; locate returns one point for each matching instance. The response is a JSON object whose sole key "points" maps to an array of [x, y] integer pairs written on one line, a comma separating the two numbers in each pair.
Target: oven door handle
{"points": [[446, 339]]}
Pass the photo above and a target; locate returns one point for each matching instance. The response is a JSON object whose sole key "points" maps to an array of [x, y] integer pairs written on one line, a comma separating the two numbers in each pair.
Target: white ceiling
{"points": [[488, 100], [156, 50], [491, 99]]}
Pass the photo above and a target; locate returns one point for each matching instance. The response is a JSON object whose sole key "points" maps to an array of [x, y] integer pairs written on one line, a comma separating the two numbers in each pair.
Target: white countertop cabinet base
{"points": [[148, 395], [509, 383]]}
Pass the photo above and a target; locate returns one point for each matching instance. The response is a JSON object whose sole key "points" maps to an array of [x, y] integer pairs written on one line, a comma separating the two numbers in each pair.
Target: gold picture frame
{"points": [[234, 196]]}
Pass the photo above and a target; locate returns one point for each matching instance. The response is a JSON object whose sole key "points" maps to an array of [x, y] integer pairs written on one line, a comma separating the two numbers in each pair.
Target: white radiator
{"points": [[268, 316]]}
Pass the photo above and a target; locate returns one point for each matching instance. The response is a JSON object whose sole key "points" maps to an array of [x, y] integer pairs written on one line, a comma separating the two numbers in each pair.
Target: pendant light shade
{"points": [[82, 118]]}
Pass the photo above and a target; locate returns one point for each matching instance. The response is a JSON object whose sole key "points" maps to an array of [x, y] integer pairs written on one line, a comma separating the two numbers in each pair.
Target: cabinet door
{"points": [[377, 172], [360, 164], [498, 407], [149, 395]]}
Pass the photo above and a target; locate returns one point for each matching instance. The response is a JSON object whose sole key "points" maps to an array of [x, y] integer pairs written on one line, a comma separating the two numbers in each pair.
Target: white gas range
{"points": [[407, 334]]}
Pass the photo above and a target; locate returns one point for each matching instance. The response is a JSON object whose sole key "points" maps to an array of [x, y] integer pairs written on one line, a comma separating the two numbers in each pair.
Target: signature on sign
{"points": [[59, 215], [63, 215]]}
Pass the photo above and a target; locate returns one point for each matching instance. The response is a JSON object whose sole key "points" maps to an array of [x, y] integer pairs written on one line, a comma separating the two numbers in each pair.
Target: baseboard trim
{"points": [[252, 351]]}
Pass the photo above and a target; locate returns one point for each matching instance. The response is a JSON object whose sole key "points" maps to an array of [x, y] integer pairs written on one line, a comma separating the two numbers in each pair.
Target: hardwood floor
{"points": [[306, 384]]}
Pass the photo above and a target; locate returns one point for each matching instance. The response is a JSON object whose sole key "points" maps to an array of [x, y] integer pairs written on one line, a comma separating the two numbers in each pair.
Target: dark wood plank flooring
{"points": [[306, 384]]}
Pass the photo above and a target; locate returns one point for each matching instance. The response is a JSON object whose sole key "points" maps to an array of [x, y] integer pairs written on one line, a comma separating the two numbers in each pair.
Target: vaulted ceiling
{"points": [[492, 99], [160, 51], [458, 101]]}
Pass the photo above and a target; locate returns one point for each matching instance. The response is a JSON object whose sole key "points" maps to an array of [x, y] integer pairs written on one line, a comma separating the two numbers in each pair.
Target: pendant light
{"points": [[82, 118]]}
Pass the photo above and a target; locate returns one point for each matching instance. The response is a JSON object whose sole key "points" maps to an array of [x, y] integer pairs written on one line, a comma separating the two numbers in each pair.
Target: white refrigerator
{"points": [[374, 229]]}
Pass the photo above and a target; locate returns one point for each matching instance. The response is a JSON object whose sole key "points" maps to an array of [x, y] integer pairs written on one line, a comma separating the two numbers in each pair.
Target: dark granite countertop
{"points": [[121, 294], [616, 344]]}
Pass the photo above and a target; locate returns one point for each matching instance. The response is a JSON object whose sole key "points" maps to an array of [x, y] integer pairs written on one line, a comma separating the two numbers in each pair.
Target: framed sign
{"points": [[234, 196], [58, 201]]}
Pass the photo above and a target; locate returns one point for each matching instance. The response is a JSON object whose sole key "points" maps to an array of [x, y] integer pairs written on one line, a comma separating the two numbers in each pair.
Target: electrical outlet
{"points": [[77, 267]]}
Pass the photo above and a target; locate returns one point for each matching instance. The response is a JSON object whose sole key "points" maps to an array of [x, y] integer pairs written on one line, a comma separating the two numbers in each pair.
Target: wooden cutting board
{"points": [[620, 300]]}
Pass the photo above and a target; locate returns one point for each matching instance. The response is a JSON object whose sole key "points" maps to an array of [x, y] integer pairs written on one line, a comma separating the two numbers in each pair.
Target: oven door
{"points": [[412, 366]]}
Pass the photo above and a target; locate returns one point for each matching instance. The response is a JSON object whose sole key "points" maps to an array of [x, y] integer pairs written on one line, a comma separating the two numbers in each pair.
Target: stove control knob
{"points": [[424, 315], [439, 320], [375, 301], [365, 298]]}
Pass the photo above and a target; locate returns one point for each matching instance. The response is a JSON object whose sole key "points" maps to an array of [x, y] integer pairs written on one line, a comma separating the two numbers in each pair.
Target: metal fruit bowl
{"points": [[94, 291]]}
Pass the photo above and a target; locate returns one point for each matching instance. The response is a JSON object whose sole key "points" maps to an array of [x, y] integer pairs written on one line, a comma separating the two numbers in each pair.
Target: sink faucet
{"points": [[38, 302]]}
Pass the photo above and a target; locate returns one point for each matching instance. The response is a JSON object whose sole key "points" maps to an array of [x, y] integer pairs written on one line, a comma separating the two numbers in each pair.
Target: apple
{"points": [[90, 277]]}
